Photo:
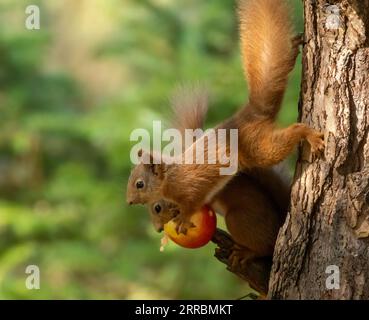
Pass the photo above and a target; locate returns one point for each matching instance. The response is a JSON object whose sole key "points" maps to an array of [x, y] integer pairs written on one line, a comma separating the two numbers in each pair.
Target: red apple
{"points": [[205, 222]]}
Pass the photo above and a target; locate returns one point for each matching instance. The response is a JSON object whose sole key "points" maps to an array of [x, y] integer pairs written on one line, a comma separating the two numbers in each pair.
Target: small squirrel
{"points": [[269, 51], [252, 210]]}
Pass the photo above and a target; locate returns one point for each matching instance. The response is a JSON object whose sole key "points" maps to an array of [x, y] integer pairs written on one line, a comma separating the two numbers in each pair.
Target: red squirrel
{"points": [[269, 51], [254, 203]]}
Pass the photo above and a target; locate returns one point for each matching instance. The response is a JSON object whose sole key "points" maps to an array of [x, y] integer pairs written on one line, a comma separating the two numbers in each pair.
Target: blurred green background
{"points": [[70, 94]]}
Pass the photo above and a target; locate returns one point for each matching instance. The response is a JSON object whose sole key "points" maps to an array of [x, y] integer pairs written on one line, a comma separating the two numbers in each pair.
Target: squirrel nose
{"points": [[159, 227]]}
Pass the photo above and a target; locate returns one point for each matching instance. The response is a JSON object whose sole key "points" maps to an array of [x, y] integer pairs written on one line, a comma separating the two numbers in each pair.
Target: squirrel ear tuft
{"points": [[152, 158], [145, 157], [158, 169], [153, 162]]}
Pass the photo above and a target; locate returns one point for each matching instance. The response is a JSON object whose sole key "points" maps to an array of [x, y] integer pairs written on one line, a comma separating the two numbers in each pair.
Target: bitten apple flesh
{"points": [[205, 222]]}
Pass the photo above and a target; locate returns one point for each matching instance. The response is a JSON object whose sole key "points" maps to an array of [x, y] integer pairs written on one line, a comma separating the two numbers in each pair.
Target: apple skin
{"points": [[205, 221]]}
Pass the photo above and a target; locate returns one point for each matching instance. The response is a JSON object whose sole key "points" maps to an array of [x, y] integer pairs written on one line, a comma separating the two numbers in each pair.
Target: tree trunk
{"points": [[328, 221]]}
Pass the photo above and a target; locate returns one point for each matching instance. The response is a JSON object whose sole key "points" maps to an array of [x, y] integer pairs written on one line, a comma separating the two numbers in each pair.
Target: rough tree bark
{"points": [[328, 222]]}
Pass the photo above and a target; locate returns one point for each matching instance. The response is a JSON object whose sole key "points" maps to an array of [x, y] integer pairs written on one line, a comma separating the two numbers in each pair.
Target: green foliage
{"points": [[64, 149]]}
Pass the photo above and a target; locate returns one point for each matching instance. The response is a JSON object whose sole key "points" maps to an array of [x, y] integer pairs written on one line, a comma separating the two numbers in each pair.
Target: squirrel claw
{"points": [[182, 225], [316, 141]]}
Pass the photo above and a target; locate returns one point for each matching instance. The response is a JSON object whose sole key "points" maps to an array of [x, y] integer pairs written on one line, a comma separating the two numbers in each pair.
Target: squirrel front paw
{"points": [[182, 224], [316, 141]]}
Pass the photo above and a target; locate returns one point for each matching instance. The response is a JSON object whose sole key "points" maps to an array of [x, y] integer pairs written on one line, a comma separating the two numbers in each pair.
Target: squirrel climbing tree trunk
{"points": [[322, 251]]}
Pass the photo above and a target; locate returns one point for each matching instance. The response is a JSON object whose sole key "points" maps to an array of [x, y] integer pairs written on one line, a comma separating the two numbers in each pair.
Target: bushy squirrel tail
{"points": [[190, 106], [268, 51]]}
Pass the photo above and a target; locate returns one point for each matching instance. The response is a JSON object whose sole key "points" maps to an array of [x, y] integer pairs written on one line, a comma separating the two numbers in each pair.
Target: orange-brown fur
{"points": [[254, 203], [269, 53], [260, 146], [189, 104]]}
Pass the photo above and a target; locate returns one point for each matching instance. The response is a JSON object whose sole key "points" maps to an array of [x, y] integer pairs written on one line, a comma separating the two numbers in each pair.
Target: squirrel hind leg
{"points": [[240, 257]]}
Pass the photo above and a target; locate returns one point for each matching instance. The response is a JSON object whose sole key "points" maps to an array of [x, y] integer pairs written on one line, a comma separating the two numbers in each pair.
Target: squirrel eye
{"points": [[140, 184], [157, 208]]}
